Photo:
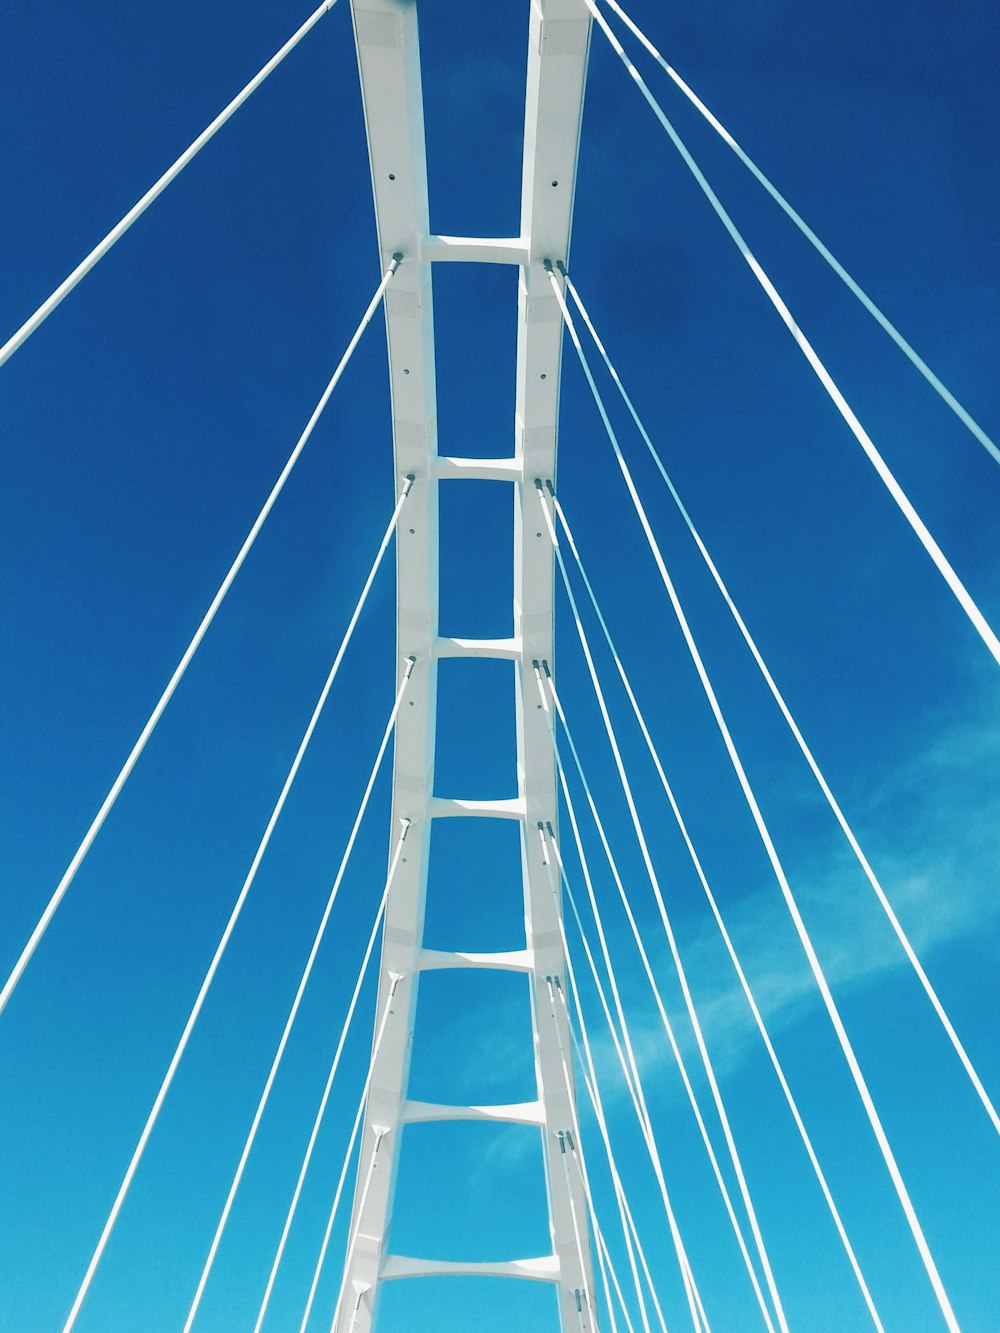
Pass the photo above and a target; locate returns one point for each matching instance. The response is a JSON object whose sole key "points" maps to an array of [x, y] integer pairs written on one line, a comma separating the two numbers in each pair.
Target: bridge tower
{"points": [[386, 32]]}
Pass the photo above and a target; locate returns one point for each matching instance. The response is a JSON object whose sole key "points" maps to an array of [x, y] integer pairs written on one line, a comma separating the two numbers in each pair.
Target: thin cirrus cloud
{"points": [[931, 833], [928, 826]]}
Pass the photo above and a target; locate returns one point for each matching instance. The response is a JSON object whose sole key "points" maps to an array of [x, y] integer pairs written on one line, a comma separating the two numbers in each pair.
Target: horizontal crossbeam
{"points": [[543, 1269], [502, 648], [507, 807], [486, 469], [518, 1113], [474, 249], [514, 960]]}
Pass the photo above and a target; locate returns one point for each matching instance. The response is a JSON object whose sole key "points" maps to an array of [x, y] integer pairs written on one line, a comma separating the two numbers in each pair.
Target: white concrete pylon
{"points": [[389, 60]]}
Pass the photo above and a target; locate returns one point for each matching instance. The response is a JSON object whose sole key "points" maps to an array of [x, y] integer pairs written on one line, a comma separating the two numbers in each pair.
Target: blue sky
{"points": [[142, 427]]}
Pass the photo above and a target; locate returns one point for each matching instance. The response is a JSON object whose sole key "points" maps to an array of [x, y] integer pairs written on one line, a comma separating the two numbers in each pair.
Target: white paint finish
{"points": [[516, 1113], [555, 82], [389, 63], [486, 469], [512, 960], [543, 1269], [444, 807], [509, 649], [474, 250]]}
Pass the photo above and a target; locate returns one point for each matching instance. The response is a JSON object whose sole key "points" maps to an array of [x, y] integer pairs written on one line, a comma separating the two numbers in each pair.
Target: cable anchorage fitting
{"points": [[542, 486], [545, 850]]}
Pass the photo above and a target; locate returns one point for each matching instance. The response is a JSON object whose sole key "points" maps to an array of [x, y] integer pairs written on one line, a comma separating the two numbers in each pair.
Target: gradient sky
{"points": [[142, 427]]}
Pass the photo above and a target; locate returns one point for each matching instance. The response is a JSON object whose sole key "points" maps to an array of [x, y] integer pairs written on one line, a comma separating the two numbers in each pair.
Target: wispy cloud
{"points": [[938, 859]]}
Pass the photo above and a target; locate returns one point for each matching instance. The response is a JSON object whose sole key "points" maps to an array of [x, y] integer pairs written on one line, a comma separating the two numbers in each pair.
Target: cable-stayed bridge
{"points": [[677, 1059]]}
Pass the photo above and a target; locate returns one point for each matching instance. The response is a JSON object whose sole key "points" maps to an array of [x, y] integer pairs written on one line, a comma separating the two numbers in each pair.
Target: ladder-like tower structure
{"points": [[386, 32]]}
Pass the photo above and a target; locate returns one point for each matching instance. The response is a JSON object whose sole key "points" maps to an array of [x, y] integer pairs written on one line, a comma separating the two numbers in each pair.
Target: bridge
{"points": [[703, 917]]}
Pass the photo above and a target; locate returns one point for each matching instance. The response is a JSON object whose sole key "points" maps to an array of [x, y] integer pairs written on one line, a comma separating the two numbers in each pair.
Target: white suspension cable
{"points": [[620, 1199], [603, 1259], [818, 974], [634, 1244], [604, 1256], [727, 939], [303, 982], [629, 1067], [779, 699], [958, 588], [605, 1263], [624, 1212], [206, 984], [642, 1259], [265, 1301], [664, 1018], [631, 1072], [607, 1266], [586, 1060], [136, 211], [192, 648], [380, 1132], [638, 1099], [668, 930], [627, 1232], [394, 979], [554, 986], [908, 351]]}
